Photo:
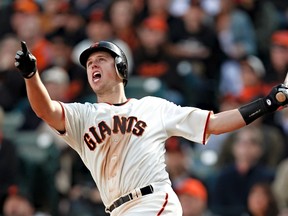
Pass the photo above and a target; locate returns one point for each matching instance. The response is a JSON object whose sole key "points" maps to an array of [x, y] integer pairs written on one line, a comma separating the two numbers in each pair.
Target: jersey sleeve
{"points": [[188, 122], [74, 125]]}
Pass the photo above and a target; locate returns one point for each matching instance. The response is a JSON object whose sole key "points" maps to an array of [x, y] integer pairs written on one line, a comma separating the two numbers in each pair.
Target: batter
{"points": [[121, 140]]}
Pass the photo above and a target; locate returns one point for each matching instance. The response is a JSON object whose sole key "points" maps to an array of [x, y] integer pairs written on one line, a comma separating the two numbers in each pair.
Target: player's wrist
{"points": [[29, 75], [254, 110]]}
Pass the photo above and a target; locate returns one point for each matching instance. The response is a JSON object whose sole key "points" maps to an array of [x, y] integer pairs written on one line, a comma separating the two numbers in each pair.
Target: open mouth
{"points": [[96, 76]]}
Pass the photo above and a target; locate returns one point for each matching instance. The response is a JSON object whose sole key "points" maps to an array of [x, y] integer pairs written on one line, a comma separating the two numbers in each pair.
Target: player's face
{"points": [[101, 72]]}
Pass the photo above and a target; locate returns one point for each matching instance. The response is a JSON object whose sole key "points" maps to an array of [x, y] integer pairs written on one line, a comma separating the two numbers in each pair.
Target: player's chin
{"points": [[95, 83], [98, 88]]}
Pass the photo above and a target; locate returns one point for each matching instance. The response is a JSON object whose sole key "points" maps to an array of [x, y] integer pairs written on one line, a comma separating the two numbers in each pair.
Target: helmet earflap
{"points": [[121, 67]]}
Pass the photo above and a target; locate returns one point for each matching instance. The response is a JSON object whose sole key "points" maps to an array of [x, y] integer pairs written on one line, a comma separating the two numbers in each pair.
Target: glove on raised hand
{"points": [[270, 101], [268, 104], [25, 61]]}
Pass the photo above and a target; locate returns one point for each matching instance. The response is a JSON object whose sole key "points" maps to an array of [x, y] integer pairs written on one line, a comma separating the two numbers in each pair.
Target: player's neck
{"points": [[115, 98], [112, 94]]}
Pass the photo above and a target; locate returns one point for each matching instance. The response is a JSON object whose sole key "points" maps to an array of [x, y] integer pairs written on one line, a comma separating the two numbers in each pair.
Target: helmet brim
{"points": [[86, 54]]}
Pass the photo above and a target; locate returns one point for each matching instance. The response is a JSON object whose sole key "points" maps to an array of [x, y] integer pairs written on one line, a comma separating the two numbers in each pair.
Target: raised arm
{"points": [[234, 119], [48, 110]]}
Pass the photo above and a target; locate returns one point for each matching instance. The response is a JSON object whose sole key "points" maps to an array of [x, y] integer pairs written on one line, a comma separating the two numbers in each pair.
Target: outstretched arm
{"points": [[225, 122], [48, 110], [234, 119]]}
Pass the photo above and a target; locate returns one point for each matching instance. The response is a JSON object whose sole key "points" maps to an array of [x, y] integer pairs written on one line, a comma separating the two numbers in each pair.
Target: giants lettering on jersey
{"points": [[119, 124]]}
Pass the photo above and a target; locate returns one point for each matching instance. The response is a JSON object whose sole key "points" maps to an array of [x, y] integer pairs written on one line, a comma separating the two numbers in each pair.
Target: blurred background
{"points": [[211, 54]]}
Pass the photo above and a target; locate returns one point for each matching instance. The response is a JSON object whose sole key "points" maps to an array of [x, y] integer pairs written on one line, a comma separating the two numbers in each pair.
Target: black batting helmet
{"points": [[121, 62]]}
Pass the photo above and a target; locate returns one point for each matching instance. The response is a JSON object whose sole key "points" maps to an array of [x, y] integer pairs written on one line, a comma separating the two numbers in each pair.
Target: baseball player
{"points": [[121, 140]]}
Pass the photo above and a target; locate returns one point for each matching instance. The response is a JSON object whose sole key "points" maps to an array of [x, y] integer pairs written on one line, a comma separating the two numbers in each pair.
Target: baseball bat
{"points": [[280, 96]]}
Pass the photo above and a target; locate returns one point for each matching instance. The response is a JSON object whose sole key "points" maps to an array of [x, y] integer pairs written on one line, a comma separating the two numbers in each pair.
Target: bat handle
{"points": [[280, 97]]}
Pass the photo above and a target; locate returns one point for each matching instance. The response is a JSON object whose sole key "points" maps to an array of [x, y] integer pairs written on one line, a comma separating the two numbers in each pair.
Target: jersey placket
{"points": [[113, 165]]}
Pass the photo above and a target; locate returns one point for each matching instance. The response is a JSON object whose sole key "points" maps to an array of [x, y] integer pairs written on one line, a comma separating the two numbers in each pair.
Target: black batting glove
{"points": [[25, 61], [270, 101], [262, 106]]}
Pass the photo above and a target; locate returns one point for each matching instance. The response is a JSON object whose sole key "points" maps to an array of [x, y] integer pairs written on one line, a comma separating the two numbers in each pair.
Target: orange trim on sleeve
{"points": [[205, 129], [63, 117]]}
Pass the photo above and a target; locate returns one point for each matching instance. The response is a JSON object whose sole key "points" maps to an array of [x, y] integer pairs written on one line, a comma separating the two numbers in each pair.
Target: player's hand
{"points": [[25, 61], [271, 102]]}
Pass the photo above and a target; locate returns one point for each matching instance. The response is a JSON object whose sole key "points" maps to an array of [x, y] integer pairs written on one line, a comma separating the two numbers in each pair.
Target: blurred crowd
{"points": [[211, 54]]}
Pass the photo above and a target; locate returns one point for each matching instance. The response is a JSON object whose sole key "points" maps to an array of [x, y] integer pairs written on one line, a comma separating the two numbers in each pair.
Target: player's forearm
{"points": [[45, 108], [226, 121], [234, 119], [48, 110], [38, 96]]}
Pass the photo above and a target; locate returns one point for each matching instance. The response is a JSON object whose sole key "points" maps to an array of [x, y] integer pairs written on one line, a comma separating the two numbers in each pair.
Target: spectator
{"points": [[58, 16], [235, 31], [196, 49], [278, 60], [12, 87], [70, 25], [236, 34], [284, 212], [282, 9], [27, 25], [193, 197], [281, 121], [120, 14], [177, 160], [18, 205], [82, 195], [6, 11], [280, 186], [151, 59], [235, 180], [161, 8], [138, 6], [273, 146], [8, 155], [52, 16], [265, 19], [84, 7], [261, 200], [62, 57], [197, 42], [158, 8], [252, 78]]}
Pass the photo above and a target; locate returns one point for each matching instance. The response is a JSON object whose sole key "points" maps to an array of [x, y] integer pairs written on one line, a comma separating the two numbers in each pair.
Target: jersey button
{"points": [[114, 157]]}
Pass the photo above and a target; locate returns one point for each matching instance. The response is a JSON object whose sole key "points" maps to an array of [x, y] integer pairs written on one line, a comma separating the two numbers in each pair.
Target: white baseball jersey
{"points": [[124, 146]]}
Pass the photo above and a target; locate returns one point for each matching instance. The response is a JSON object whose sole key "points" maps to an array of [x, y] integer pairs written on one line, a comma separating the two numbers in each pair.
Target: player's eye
{"points": [[102, 59], [89, 63]]}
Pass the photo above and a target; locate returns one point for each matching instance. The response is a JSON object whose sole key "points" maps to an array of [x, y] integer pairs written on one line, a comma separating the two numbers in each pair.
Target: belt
{"points": [[134, 194]]}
